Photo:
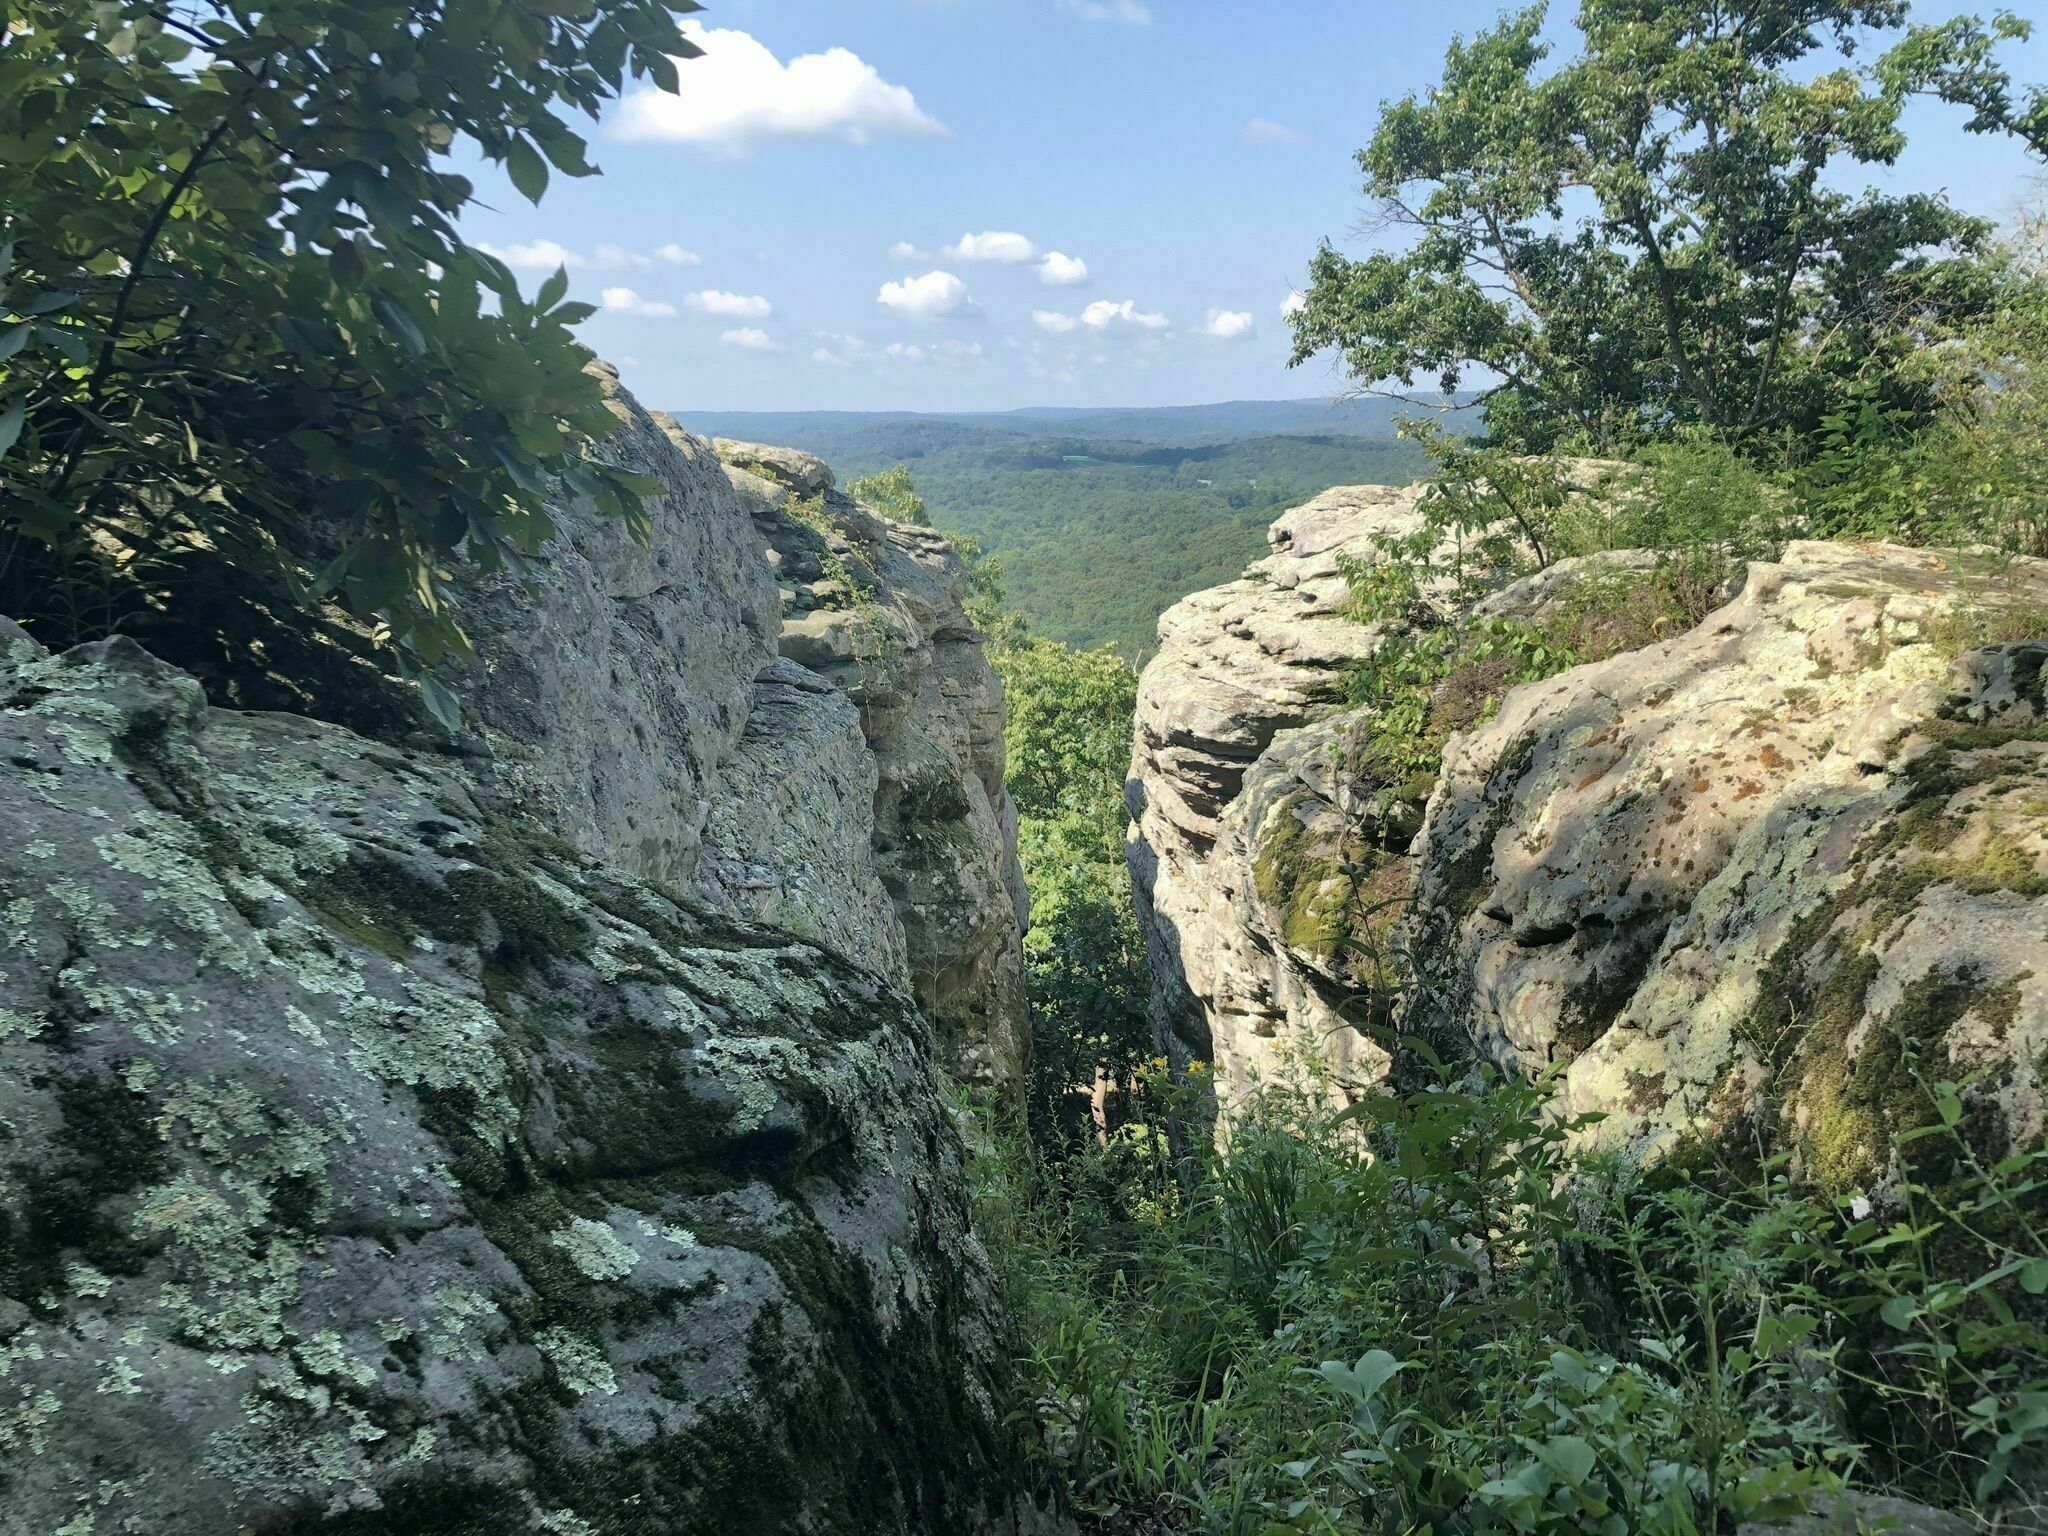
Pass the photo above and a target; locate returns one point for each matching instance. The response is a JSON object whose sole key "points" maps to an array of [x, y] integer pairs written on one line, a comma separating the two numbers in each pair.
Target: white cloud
{"points": [[533, 255], [991, 245], [1060, 270], [737, 306], [625, 301], [1133, 11], [1228, 324], [1263, 130], [954, 354], [903, 250], [829, 358], [930, 297], [749, 339], [1295, 303], [546, 255], [1102, 314], [740, 94], [905, 352], [1052, 320]]}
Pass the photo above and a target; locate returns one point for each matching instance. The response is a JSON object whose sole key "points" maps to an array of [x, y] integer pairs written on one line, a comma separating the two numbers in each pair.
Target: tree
{"points": [[238, 322], [1653, 235], [891, 493], [1958, 62]]}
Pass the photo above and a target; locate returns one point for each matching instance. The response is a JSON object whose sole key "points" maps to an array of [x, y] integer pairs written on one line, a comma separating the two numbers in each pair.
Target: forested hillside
{"points": [[1102, 519]]}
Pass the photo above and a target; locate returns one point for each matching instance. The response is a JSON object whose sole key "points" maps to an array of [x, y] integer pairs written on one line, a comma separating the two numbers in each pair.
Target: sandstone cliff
{"points": [[792, 719], [531, 1132], [1760, 874]]}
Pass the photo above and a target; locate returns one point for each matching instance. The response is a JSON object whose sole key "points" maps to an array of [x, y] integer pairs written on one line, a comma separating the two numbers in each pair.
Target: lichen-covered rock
{"points": [[718, 708], [878, 609], [1268, 855], [372, 1161], [1222, 759], [1779, 870]]}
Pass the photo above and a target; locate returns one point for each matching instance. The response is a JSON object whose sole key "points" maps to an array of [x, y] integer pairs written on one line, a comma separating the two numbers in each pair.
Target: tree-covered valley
{"points": [[1101, 521]]}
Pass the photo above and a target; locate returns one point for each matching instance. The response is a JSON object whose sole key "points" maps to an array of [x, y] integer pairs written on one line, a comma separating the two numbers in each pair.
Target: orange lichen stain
{"points": [[1748, 787], [1592, 778], [1700, 786], [1772, 758]]}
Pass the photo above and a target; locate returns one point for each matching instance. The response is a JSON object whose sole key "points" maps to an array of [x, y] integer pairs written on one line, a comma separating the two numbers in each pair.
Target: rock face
{"points": [[1768, 872], [878, 610], [372, 1160], [1267, 861], [790, 719], [1227, 734], [1778, 868]]}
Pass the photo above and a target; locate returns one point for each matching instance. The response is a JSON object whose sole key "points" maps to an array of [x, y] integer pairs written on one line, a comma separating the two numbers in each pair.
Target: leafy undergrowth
{"points": [[1422, 1314]]}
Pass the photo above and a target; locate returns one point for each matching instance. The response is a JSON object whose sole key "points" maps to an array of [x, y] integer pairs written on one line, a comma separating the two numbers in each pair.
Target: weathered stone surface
{"points": [[1751, 871], [616, 682], [878, 609], [1747, 872], [371, 1160], [1219, 748], [718, 709], [1268, 861]]}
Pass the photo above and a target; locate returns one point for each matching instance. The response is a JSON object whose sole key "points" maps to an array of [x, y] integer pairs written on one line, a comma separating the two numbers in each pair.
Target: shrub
{"points": [[239, 325]]}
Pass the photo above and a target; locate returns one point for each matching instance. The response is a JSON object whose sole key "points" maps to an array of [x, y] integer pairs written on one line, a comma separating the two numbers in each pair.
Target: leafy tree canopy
{"points": [[1654, 234], [238, 321], [891, 493]]}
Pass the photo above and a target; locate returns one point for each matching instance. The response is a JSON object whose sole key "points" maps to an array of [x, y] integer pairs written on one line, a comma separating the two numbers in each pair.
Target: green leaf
{"points": [[399, 322], [1570, 1457], [2034, 1276], [11, 421], [529, 172], [553, 290], [12, 341], [441, 704], [1900, 1311]]}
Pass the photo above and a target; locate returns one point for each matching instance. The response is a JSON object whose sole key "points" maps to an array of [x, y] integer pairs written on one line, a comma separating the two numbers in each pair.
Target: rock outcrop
{"points": [[1228, 727], [1784, 869], [1773, 871], [776, 704], [372, 1160], [878, 609]]}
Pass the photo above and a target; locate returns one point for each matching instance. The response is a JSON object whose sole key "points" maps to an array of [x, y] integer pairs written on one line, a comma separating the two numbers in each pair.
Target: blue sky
{"points": [[770, 242]]}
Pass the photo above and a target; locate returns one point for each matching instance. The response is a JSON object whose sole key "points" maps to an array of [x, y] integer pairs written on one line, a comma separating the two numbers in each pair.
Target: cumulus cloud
{"points": [[737, 306], [1263, 130], [1052, 320], [1294, 304], [1103, 314], [903, 250], [905, 352], [955, 354], [625, 301], [1060, 270], [931, 297], [1228, 324], [991, 245], [749, 338], [546, 255], [740, 95], [1136, 12]]}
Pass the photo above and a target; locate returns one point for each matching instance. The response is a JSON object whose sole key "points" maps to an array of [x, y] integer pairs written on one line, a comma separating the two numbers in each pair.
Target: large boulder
{"points": [[1784, 869], [1777, 872], [372, 1160]]}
